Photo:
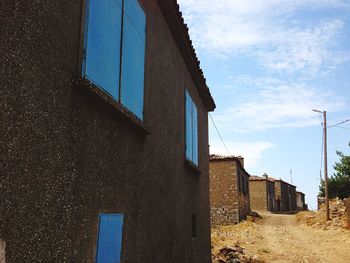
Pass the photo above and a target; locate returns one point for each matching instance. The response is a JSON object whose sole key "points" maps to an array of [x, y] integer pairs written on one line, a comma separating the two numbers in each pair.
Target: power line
{"points": [[222, 140], [340, 123], [345, 128]]}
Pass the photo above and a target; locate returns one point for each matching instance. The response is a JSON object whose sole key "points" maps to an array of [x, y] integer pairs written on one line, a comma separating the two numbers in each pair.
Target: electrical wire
{"points": [[340, 123], [345, 128], [216, 128]]}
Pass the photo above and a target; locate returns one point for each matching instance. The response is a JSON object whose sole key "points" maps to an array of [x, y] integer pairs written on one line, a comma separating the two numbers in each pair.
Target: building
{"points": [[104, 140], [229, 190], [301, 206], [285, 196], [262, 193]]}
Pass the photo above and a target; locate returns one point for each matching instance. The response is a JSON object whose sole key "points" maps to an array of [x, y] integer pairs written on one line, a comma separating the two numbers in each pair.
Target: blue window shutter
{"points": [[195, 133], [102, 44], [133, 57], [109, 238], [189, 137]]}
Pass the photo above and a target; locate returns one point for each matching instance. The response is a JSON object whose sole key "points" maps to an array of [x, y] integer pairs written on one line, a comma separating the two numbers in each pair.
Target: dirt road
{"points": [[281, 239], [288, 241]]}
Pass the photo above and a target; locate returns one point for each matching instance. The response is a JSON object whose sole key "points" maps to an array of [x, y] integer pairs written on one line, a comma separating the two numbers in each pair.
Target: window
{"points": [[194, 226], [114, 50], [109, 241], [191, 130]]}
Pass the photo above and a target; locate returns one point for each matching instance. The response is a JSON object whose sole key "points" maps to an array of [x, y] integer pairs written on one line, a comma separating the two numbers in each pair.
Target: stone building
{"points": [[104, 134], [301, 206], [285, 196], [229, 190], [262, 193]]}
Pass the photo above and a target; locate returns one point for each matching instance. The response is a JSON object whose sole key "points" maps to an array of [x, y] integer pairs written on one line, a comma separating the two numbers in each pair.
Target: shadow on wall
{"points": [[2, 251]]}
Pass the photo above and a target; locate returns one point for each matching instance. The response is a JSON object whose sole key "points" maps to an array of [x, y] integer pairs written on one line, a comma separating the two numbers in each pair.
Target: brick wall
{"points": [[258, 195], [229, 191]]}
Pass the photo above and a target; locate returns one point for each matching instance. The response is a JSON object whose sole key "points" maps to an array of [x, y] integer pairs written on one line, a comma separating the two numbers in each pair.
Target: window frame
{"points": [[192, 163], [97, 233], [82, 60]]}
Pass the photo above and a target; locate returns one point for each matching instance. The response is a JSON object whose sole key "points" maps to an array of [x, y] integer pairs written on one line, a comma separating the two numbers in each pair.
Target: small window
{"points": [[109, 241], [191, 130], [114, 50], [194, 226]]}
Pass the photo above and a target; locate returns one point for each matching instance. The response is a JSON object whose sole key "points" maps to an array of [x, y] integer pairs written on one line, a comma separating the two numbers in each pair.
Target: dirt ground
{"points": [[280, 238]]}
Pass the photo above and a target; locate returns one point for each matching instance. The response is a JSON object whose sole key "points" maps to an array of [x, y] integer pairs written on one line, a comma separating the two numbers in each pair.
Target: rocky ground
{"points": [[281, 238]]}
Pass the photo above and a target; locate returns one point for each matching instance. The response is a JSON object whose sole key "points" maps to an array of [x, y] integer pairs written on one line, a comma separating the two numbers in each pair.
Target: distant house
{"points": [[229, 190], [300, 201], [285, 196], [104, 134], [262, 193]]}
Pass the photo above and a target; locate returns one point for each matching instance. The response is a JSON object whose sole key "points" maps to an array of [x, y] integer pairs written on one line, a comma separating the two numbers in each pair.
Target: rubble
{"points": [[317, 219], [235, 254], [229, 242]]}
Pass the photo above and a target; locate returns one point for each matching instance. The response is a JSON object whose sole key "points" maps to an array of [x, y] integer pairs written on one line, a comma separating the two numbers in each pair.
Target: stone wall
{"points": [[2, 251], [229, 190], [224, 215], [258, 195], [223, 183], [300, 201], [347, 206], [244, 206]]}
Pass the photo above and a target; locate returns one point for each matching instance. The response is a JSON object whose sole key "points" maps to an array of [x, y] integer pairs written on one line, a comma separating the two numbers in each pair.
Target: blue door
{"points": [[109, 242]]}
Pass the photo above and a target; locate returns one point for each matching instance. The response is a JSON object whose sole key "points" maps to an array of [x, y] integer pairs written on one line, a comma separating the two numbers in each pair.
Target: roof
{"points": [[179, 29], [280, 180], [261, 178], [216, 157]]}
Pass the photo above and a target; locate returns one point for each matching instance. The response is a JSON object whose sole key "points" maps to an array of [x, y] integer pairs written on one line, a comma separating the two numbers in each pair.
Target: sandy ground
{"points": [[289, 241], [280, 238]]}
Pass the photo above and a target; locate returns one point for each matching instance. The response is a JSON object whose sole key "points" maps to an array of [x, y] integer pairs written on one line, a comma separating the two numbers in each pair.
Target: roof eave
{"points": [[179, 29]]}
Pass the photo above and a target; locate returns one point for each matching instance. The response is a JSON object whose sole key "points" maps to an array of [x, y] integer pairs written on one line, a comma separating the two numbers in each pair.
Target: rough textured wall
{"points": [[293, 198], [2, 251], [244, 206], [66, 155], [300, 201], [283, 194], [347, 208], [258, 195], [223, 192], [278, 196], [243, 193], [271, 199]]}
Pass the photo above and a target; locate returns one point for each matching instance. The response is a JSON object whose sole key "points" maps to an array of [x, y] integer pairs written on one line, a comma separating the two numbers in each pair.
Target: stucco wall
{"points": [[69, 155]]}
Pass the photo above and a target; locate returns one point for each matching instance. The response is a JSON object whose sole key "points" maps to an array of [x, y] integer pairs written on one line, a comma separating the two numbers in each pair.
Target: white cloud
{"points": [[251, 151], [276, 104], [307, 50], [268, 31]]}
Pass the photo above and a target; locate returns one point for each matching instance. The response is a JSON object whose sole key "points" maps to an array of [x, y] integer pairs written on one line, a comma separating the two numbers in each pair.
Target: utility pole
{"points": [[325, 163], [325, 160]]}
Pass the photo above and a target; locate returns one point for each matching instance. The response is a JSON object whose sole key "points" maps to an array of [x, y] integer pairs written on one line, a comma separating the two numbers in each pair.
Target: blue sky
{"points": [[268, 63]]}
